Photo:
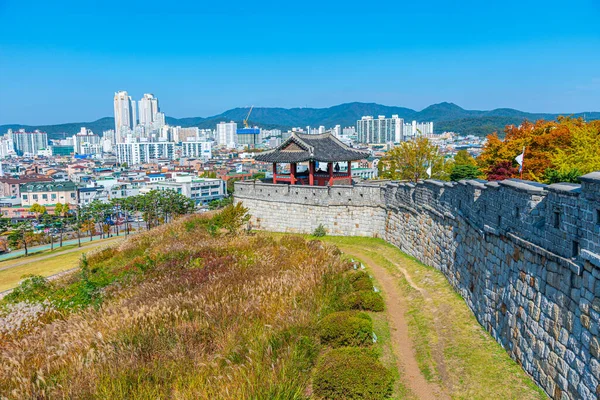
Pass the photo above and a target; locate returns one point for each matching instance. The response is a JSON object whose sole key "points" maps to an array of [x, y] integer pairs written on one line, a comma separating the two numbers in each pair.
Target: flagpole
{"points": [[523, 162]]}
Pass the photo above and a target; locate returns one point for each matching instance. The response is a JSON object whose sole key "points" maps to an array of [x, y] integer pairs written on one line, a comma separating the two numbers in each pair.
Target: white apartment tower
{"points": [[227, 134], [28, 143], [149, 110], [380, 130], [136, 153], [125, 118], [418, 129], [197, 149]]}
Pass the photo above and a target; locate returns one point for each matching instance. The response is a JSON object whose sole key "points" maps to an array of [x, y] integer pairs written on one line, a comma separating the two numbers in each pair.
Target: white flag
{"points": [[519, 159], [429, 171]]}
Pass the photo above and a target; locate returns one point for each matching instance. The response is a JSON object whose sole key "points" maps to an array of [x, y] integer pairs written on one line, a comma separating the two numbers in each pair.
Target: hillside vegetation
{"points": [[447, 117], [192, 309]]}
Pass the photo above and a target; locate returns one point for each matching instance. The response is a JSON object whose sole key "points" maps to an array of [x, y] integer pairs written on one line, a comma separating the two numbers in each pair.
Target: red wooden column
{"points": [[330, 169], [311, 173], [292, 173], [349, 172], [274, 172]]}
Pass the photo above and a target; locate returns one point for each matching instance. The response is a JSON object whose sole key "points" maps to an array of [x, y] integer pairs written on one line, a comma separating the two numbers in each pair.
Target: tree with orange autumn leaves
{"points": [[554, 150]]}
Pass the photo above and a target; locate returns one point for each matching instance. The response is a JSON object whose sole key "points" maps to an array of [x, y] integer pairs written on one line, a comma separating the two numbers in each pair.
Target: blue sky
{"points": [[62, 61]]}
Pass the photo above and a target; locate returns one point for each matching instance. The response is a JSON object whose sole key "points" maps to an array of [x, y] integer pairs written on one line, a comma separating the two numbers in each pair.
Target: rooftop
{"points": [[303, 147]]}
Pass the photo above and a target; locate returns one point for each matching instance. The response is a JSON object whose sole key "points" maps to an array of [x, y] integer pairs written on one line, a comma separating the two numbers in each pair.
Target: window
{"points": [[53, 196], [575, 251], [556, 219], [598, 216], [517, 213], [499, 220], [45, 196], [35, 196], [72, 195], [24, 197]]}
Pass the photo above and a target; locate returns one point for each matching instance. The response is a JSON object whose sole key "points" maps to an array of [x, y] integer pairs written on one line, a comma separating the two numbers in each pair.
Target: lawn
{"points": [[452, 348], [10, 277]]}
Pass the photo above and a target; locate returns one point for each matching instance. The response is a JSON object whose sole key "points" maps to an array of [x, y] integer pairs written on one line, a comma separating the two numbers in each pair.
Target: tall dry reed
{"points": [[225, 317]]}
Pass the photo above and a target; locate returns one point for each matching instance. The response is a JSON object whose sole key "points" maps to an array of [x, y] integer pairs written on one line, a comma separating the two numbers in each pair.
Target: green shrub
{"points": [[351, 373], [361, 281], [366, 300], [33, 288], [346, 328], [320, 231]]}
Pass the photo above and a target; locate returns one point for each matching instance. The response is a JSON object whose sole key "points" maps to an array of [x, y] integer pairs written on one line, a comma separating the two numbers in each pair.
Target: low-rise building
{"points": [[201, 190], [11, 186], [48, 193]]}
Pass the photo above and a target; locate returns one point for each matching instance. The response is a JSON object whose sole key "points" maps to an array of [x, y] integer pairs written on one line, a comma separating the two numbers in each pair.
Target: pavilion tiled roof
{"points": [[303, 147]]}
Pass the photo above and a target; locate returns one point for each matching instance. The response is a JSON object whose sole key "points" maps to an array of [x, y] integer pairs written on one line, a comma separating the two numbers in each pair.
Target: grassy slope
{"points": [[180, 314], [452, 348]]}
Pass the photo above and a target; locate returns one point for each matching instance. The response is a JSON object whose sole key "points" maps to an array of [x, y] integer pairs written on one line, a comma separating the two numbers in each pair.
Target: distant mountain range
{"points": [[446, 117]]}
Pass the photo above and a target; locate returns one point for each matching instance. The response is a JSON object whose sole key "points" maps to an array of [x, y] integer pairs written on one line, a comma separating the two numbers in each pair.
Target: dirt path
{"points": [[25, 260], [401, 341]]}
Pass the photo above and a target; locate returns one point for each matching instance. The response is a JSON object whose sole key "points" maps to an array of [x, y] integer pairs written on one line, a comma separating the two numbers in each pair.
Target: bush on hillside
{"points": [[361, 281], [32, 288], [346, 328], [320, 231], [366, 300], [351, 373]]}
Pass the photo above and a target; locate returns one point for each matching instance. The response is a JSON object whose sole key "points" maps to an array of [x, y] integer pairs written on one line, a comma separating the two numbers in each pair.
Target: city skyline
{"points": [[484, 56]]}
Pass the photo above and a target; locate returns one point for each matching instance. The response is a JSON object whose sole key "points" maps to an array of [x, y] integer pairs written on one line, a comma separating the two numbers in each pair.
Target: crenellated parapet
{"points": [[561, 218]]}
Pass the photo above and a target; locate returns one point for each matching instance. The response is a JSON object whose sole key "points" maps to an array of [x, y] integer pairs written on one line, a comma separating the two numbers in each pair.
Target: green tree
{"points": [[583, 154], [48, 221], [209, 174], [460, 172], [38, 209], [556, 176], [21, 235], [463, 157], [410, 161], [62, 212], [232, 218], [231, 185]]}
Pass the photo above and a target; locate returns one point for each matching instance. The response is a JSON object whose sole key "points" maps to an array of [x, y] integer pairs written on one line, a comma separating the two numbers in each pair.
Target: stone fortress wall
{"points": [[524, 256]]}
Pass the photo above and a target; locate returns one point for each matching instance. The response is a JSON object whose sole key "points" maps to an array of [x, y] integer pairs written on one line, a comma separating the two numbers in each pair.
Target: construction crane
{"points": [[248, 116]]}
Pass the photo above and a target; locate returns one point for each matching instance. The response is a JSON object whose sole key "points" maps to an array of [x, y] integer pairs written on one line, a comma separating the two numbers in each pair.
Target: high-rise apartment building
{"points": [[197, 149], [185, 134], [86, 142], [149, 110], [380, 129], [7, 146], [125, 115], [349, 131], [418, 129], [29, 143], [227, 134], [249, 137], [136, 152]]}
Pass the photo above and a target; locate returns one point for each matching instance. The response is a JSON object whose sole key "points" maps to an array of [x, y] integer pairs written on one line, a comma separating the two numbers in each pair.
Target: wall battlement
{"points": [[524, 256]]}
